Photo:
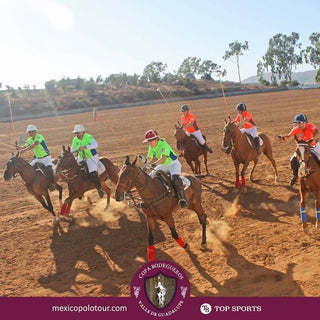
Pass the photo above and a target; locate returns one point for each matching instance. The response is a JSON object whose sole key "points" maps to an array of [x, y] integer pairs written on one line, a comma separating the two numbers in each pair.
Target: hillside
{"points": [[36, 102], [305, 77]]}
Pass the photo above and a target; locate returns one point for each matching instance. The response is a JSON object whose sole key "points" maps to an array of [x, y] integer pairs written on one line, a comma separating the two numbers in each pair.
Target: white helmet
{"points": [[31, 127], [78, 128]]}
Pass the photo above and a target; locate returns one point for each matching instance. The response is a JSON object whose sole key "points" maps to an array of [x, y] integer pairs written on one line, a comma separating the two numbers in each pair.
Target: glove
{"points": [[281, 137], [142, 158], [146, 167], [153, 165]]}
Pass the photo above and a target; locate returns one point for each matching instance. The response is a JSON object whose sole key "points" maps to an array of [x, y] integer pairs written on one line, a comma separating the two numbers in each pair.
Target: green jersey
{"points": [[85, 141], [162, 148], [41, 150]]}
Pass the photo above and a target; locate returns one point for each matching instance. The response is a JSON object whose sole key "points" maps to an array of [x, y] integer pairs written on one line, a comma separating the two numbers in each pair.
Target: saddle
{"points": [[39, 166], [83, 166], [251, 141], [165, 179]]}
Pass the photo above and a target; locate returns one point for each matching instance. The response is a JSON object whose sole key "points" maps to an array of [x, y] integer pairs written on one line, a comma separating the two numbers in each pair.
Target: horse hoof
{"points": [[317, 225], [186, 247], [203, 246]]}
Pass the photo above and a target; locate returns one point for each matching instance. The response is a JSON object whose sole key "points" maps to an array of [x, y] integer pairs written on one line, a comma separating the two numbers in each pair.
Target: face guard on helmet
{"points": [[241, 107], [300, 117], [78, 128], [150, 135], [31, 127], [184, 107]]}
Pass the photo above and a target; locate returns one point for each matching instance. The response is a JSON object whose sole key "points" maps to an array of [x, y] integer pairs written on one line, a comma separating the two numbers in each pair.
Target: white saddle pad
{"points": [[101, 168], [186, 182], [250, 142]]}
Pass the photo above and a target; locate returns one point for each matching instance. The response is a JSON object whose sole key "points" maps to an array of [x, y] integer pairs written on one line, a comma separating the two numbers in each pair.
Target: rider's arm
{"points": [[29, 147], [316, 134]]}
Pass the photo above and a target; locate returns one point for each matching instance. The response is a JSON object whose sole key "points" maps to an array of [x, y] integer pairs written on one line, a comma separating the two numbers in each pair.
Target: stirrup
{"points": [[183, 203]]}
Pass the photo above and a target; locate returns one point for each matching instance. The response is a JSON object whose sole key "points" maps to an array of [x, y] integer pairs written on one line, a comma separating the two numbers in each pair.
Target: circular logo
{"points": [[160, 288], [205, 308]]}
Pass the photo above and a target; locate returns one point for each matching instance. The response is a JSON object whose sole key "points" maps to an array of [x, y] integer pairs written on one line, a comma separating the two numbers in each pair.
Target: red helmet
{"points": [[150, 135]]}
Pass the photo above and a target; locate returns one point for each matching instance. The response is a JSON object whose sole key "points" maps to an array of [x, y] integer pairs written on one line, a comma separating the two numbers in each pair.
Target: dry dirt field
{"points": [[256, 246]]}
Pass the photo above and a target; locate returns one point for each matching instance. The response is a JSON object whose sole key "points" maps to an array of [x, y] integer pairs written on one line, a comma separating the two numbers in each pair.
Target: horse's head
{"points": [[12, 167], [179, 132], [126, 179], [303, 155], [66, 160], [227, 135]]}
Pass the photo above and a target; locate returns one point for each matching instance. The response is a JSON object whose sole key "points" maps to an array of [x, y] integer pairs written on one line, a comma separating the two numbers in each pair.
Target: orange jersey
{"points": [[247, 119], [190, 118], [306, 134]]}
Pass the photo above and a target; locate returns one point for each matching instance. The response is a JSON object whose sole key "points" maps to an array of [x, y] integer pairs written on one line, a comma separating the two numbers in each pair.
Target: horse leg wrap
{"points": [[63, 209], [303, 214], [318, 214], [151, 253], [237, 182], [67, 210], [243, 181], [181, 242]]}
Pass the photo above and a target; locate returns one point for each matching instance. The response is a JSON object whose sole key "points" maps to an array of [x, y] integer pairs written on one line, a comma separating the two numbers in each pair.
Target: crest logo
{"points": [[160, 288]]}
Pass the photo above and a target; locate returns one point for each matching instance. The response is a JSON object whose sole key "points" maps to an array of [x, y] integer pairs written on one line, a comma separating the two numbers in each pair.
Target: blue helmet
{"points": [[300, 117], [241, 107], [184, 107]]}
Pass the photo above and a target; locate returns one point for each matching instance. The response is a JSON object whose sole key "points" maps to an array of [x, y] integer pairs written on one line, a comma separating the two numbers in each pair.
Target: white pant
{"points": [[198, 136], [252, 131], [46, 161], [92, 163], [173, 168], [316, 150]]}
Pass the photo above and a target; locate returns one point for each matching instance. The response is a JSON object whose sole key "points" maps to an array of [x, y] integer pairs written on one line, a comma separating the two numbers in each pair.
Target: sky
{"points": [[44, 40]]}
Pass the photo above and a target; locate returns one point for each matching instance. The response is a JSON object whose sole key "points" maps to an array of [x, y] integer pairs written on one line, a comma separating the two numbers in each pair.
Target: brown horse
{"points": [[159, 202], [309, 181], [236, 142], [191, 149], [35, 178], [78, 180]]}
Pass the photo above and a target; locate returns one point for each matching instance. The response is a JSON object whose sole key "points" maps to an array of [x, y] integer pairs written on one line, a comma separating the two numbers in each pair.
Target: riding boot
{"points": [[205, 147], [256, 141], [295, 167], [51, 178], [93, 176], [178, 185]]}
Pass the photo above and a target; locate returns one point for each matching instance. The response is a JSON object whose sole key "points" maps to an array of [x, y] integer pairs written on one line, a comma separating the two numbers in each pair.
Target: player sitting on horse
{"points": [[162, 157], [245, 119], [86, 146], [38, 144], [302, 131], [189, 122]]}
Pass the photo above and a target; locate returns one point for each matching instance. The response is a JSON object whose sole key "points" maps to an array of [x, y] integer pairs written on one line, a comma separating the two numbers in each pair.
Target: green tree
{"points": [[312, 53], [236, 50], [189, 67], [154, 71], [206, 68], [90, 86], [51, 85], [282, 56], [317, 77]]}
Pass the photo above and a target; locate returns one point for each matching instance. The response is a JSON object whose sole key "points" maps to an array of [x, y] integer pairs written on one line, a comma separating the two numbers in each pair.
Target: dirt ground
{"points": [[256, 246]]}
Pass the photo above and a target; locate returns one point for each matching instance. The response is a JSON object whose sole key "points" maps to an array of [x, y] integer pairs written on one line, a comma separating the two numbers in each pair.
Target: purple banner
{"points": [[192, 308], [159, 289]]}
